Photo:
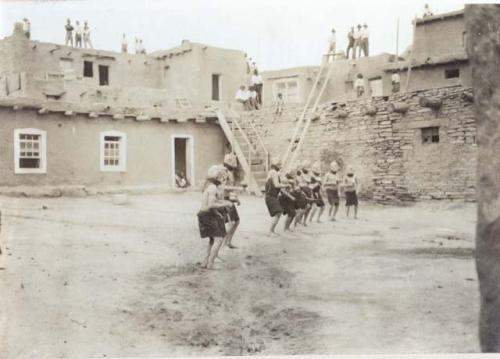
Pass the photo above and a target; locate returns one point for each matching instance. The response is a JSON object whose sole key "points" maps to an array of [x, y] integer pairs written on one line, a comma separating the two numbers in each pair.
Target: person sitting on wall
{"points": [[69, 33], [280, 104], [242, 96], [359, 85], [427, 11], [26, 28], [395, 80], [257, 84], [181, 181]]}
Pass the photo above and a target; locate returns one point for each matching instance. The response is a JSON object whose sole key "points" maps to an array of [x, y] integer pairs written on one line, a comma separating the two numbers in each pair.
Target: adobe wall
{"points": [[73, 145], [386, 149]]}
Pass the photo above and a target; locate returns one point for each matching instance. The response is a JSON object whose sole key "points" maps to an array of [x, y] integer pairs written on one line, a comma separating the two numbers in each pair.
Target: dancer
{"points": [[210, 221], [304, 182], [317, 192], [287, 200], [331, 183], [227, 191], [273, 188], [350, 190]]}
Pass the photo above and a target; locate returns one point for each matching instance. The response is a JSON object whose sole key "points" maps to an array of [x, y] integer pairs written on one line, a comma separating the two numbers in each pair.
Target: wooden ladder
{"points": [[231, 126], [305, 119]]}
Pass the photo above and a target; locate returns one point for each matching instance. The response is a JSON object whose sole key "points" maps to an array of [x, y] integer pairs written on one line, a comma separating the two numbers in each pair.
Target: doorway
{"points": [[182, 161], [103, 75], [215, 87]]}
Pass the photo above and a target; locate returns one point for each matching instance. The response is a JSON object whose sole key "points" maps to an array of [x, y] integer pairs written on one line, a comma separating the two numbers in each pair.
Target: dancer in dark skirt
{"points": [[287, 201], [273, 188], [304, 182], [210, 220], [331, 184], [351, 192], [317, 193]]}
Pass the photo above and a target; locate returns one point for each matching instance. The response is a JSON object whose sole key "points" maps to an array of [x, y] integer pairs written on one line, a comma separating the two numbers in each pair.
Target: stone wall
{"points": [[386, 149]]}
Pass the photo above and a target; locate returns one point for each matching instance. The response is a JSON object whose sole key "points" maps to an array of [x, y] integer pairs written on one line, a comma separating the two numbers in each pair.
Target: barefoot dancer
{"points": [[300, 200], [273, 187], [287, 201], [227, 189], [210, 220], [304, 181], [317, 191], [331, 184], [350, 189]]}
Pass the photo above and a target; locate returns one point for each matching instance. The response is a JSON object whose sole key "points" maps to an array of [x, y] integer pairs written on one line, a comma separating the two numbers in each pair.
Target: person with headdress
{"points": [[331, 184], [210, 220], [228, 192], [316, 186], [287, 199], [351, 191], [273, 189], [304, 179]]}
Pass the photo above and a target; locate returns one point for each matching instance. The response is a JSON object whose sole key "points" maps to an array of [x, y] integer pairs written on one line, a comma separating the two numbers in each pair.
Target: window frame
{"points": [[91, 69], [99, 66], [448, 70], [429, 129], [284, 93], [42, 169], [122, 167]]}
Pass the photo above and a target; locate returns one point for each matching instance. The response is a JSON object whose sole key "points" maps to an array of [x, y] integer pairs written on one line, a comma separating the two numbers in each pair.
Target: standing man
{"points": [[357, 41], [332, 46], [86, 36], [124, 44], [365, 45], [395, 80], [69, 33], [331, 183], [26, 28], [257, 85], [359, 85], [350, 44], [78, 34]]}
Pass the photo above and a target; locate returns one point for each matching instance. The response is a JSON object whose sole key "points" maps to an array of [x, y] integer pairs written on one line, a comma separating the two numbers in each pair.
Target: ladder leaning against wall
{"points": [[306, 116], [247, 145]]}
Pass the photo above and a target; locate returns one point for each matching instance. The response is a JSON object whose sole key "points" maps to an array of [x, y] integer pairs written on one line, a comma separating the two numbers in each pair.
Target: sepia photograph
{"points": [[249, 178]]}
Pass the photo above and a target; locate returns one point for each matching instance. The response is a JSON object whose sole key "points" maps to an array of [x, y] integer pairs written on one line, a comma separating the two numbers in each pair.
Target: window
{"points": [[88, 69], [376, 87], [289, 89], [30, 154], [215, 87], [464, 39], [66, 65], [103, 75], [430, 135], [113, 151], [451, 73]]}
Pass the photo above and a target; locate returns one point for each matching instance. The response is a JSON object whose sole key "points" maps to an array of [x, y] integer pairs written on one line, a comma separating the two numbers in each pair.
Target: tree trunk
{"points": [[483, 47]]}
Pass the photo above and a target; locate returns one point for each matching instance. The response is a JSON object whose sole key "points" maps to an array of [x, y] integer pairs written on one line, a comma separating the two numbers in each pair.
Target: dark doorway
{"points": [[215, 87], [180, 158], [103, 75]]}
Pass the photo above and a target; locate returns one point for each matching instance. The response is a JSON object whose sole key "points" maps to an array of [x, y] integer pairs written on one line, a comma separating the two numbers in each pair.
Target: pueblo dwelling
{"points": [[94, 119]]}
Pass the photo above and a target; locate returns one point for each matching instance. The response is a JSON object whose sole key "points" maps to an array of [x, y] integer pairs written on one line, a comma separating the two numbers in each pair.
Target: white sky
{"points": [[275, 33]]}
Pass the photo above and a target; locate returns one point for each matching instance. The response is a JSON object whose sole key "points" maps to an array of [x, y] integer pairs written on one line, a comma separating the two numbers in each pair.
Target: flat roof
{"points": [[440, 17]]}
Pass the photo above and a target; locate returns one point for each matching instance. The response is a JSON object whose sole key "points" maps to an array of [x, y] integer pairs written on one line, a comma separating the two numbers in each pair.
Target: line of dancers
{"points": [[301, 194]]}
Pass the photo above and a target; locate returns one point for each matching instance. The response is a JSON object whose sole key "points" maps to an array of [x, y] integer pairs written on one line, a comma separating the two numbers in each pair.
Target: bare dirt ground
{"points": [[88, 278]]}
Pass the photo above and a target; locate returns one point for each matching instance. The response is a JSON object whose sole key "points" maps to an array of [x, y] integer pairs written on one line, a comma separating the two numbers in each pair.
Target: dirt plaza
{"points": [[84, 277]]}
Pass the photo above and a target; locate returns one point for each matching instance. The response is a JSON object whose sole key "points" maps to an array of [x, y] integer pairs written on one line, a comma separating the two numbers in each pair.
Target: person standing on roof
{"points": [[364, 40], [357, 41], [124, 44], [332, 46], [350, 44], [78, 34], [26, 28], [86, 36], [257, 85], [69, 32], [427, 11]]}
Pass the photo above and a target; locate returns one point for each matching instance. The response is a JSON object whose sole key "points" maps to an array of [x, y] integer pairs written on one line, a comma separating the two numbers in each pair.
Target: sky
{"points": [[275, 33]]}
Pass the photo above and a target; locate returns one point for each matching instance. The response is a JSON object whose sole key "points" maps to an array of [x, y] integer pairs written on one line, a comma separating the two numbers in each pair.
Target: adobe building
{"points": [[93, 118]]}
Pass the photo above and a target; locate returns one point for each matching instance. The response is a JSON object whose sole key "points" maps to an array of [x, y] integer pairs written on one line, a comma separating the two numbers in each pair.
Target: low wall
{"points": [[386, 149]]}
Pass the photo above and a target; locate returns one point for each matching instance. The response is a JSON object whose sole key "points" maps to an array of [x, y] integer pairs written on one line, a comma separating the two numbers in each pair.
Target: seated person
{"points": [[181, 181], [243, 97]]}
